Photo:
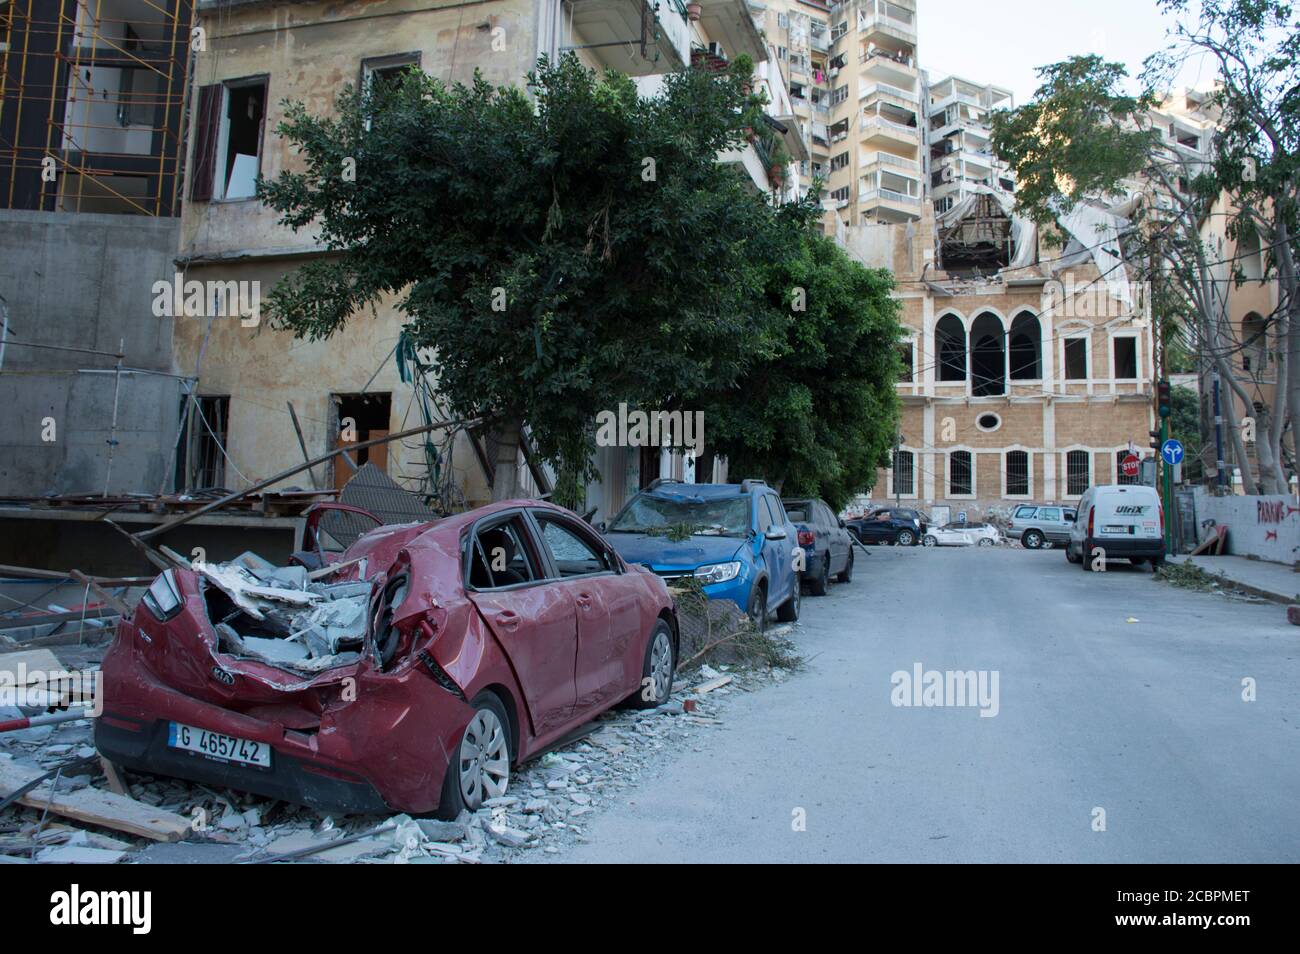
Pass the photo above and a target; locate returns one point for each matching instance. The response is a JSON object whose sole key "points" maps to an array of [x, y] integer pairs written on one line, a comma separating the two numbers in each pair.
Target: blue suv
{"points": [[734, 538]]}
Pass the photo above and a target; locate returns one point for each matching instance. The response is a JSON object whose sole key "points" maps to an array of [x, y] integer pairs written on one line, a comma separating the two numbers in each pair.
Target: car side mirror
{"points": [[776, 533], [602, 526], [842, 523]]}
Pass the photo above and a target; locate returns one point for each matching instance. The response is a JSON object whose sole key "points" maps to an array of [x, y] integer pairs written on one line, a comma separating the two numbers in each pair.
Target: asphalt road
{"points": [[1143, 720]]}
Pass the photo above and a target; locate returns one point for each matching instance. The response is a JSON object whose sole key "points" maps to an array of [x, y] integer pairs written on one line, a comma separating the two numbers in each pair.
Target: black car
{"points": [[899, 525], [827, 545]]}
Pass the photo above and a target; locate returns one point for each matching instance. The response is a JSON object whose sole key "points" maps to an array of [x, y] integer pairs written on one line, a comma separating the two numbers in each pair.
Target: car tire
{"points": [[905, 538], [788, 612], [930, 540], [1083, 556], [1032, 540], [657, 668], [846, 575], [757, 608], [469, 781], [1157, 563], [819, 586], [1069, 555], [985, 542]]}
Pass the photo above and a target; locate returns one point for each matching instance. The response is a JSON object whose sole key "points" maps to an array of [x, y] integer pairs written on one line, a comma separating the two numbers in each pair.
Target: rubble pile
{"points": [[547, 808]]}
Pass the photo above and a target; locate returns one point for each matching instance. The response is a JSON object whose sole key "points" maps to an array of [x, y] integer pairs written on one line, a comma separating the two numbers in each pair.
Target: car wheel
{"points": [[788, 612], [846, 575], [905, 538], [481, 768], [656, 669], [986, 542], [822, 583], [757, 609], [1032, 540], [1083, 556], [930, 541], [1069, 555]]}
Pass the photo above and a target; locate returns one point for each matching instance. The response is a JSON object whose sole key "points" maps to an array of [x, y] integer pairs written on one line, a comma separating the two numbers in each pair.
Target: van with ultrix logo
{"points": [[1126, 521]]}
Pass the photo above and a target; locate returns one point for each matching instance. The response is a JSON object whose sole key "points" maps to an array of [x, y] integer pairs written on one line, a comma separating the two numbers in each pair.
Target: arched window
{"points": [[988, 360], [950, 346], [1078, 465], [1017, 473], [1026, 348]]}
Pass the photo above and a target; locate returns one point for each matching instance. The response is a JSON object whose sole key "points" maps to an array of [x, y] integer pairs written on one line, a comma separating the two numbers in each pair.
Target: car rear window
{"points": [[1026, 511]]}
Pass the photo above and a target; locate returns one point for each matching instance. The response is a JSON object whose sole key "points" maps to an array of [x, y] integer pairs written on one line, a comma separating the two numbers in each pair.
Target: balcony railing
{"points": [[872, 123], [869, 195], [889, 90], [889, 159]]}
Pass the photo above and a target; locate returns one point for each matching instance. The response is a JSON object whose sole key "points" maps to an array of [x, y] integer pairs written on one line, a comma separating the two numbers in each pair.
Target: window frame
{"points": [[1086, 338], [1114, 357], [213, 162], [540, 517], [974, 483], [531, 539]]}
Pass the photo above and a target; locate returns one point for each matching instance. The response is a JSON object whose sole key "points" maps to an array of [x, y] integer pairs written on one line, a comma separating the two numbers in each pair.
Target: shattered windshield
{"points": [[659, 515]]}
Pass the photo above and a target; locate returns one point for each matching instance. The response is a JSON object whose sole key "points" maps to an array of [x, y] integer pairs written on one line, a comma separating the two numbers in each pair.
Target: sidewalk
{"points": [[1273, 581]]}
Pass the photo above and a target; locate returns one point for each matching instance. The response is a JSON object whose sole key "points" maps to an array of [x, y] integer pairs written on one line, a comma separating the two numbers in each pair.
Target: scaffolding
{"points": [[92, 104]]}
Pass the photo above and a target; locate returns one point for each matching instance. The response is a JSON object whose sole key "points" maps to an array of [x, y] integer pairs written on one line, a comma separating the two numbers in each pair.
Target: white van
{"points": [[1125, 520]]}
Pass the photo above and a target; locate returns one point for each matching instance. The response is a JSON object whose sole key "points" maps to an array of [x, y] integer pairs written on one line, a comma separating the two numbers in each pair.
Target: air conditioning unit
{"points": [[949, 173]]}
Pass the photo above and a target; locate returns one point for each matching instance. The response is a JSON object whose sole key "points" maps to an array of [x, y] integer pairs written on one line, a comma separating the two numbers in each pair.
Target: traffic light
{"points": [[1155, 439], [1164, 401]]}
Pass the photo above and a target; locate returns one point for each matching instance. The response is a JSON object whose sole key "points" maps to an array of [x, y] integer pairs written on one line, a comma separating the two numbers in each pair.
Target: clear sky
{"points": [[1002, 41]]}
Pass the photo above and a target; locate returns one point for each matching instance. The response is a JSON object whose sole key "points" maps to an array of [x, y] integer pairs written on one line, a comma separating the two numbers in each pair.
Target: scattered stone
{"points": [[510, 837], [77, 855]]}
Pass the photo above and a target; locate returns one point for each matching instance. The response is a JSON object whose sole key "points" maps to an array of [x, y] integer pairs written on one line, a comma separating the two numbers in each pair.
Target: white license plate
{"points": [[227, 748], [1117, 529]]}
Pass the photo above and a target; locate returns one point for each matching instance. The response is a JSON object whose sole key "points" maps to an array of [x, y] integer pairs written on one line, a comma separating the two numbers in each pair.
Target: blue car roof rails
{"points": [[749, 483], [660, 481]]}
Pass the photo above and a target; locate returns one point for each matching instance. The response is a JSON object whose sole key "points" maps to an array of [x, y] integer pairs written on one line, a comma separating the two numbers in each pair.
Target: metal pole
{"points": [[1219, 465], [112, 433]]}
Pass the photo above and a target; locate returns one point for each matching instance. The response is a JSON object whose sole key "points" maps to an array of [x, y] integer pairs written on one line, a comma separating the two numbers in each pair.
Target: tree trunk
{"points": [[503, 450]]}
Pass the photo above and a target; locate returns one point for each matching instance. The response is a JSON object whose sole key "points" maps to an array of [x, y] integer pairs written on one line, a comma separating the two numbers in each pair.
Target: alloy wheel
{"points": [[930, 541], [661, 665], [484, 760]]}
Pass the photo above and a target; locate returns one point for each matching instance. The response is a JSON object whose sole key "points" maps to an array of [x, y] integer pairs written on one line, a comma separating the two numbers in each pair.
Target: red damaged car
{"points": [[409, 676]]}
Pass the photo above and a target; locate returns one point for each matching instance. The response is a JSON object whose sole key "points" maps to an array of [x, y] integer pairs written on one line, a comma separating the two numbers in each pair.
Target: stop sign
{"points": [[1130, 465]]}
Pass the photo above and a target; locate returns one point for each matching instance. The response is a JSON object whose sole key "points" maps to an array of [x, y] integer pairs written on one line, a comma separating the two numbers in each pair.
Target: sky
{"points": [[1002, 41]]}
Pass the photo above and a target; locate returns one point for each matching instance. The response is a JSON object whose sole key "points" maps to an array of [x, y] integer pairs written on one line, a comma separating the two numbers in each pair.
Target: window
{"points": [[839, 95], [764, 515], [1026, 343], [1119, 469], [905, 362], [1078, 466], [573, 556], [987, 358], [904, 472], [1049, 514], [841, 195], [500, 557], [1024, 513], [839, 162], [775, 510], [200, 462], [228, 140], [360, 418], [988, 422], [1017, 473], [1254, 341], [960, 474], [1076, 359], [1126, 358], [950, 341]]}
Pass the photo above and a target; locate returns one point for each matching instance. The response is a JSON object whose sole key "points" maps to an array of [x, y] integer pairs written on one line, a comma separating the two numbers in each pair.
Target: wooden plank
{"points": [[95, 807]]}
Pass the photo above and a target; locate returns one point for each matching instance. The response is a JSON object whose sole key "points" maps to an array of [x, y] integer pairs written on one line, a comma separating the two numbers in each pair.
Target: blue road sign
{"points": [[1172, 452]]}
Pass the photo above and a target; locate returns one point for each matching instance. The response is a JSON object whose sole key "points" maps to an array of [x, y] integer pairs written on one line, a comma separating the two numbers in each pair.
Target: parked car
{"points": [[1038, 526], [735, 539], [827, 545], [1126, 521], [431, 660], [963, 535], [898, 525]]}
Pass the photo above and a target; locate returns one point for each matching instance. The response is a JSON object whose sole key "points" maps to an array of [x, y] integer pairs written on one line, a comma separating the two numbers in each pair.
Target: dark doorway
{"points": [[360, 418]]}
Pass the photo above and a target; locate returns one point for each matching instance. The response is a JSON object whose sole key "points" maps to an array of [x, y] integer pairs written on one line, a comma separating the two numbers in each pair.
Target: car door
{"points": [[838, 537], [1049, 520], [607, 666], [782, 552], [531, 616]]}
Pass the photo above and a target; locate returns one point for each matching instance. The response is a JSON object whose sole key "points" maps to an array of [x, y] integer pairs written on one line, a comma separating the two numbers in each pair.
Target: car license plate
{"points": [[1117, 529], [215, 745]]}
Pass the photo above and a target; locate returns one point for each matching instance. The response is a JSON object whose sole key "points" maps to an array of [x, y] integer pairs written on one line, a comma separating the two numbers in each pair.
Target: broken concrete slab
{"points": [[78, 855]]}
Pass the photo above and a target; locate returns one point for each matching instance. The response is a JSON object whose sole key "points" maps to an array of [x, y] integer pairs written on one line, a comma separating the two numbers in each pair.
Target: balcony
{"points": [[888, 89], [878, 127], [872, 160], [896, 69], [882, 26], [887, 205], [611, 31]]}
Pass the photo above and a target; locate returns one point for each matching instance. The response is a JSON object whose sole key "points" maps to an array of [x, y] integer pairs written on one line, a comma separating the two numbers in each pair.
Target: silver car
{"points": [[1038, 526]]}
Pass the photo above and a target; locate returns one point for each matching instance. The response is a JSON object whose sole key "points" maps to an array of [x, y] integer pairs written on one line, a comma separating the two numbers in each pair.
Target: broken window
{"points": [[904, 472], [501, 557], [1026, 348], [1077, 472], [228, 140], [1125, 356], [980, 242], [201, 456], [572, 555], [1076, 359], [988, 359], [1017, 473], [960, 474], [905, 362], [950, 344], [385, 72], [360, 418], [1254, 343]]}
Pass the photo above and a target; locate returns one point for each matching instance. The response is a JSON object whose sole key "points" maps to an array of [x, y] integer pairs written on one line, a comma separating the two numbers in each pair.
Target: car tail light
{"points": [[807, 538], [1092, 511]]}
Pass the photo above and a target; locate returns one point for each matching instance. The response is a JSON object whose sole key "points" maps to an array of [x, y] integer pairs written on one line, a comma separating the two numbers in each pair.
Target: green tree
{"points": [[562, 253], [818, 415]]}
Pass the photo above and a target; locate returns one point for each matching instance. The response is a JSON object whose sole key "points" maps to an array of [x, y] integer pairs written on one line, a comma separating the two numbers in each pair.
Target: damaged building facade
{"points": [[261, 391]]}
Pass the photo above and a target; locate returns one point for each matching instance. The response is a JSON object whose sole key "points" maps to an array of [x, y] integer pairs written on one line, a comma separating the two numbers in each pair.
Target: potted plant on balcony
{"points": [[692, 11], [778, 164]]}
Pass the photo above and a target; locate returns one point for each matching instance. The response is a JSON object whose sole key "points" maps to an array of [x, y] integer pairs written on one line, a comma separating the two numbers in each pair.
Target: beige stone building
{"points": [[258, 54]]}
